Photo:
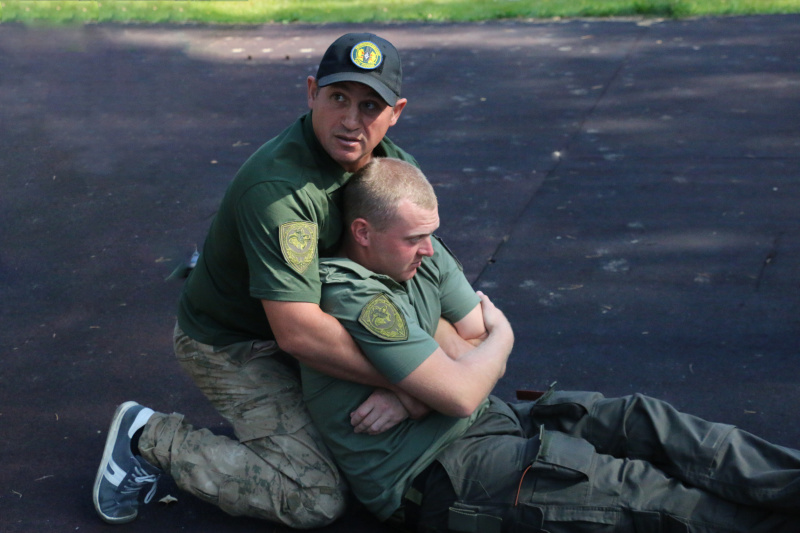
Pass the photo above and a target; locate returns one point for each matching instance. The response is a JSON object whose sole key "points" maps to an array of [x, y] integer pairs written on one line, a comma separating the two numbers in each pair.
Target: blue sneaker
{"points": [[122, 475]]}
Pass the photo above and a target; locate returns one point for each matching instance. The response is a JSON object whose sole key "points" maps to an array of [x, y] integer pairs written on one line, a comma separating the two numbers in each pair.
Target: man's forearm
{"points": [[451, 342], [458, 376], [318, 340], [456, 387], [485, 364]]}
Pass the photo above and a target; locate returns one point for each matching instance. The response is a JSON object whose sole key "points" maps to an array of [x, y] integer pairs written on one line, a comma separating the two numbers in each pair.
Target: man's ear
{"points": [[360, 229], [312, 89], [397, 109]]}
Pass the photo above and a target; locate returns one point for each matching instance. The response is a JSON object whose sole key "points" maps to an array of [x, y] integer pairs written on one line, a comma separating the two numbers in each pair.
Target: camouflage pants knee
{"points": [[277, 468]]}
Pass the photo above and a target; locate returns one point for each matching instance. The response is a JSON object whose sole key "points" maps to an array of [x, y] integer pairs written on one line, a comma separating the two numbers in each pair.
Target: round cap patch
{"points": [[366, 55]]}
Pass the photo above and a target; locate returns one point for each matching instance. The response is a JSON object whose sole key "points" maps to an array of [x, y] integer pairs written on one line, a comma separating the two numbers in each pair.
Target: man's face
{"points": [[398, 251], [350, 119]]}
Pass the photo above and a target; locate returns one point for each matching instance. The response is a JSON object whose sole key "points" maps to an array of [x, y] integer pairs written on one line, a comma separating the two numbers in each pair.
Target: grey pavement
{"points": [[626, 190]]}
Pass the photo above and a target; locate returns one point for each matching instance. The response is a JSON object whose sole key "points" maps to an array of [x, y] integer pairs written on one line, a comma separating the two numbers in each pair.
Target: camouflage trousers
{"points": [[277, 468]]}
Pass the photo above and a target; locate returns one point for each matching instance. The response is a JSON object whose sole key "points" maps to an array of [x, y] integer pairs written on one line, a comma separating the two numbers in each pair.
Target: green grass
{"points": [[319, 11]]}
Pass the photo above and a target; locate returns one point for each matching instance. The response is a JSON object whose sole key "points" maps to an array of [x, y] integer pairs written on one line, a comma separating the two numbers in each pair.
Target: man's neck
{"points": [[349, 250]]}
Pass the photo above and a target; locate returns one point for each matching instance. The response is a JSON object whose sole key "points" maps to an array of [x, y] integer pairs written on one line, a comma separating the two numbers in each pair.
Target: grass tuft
{"points": [[356, 11]]}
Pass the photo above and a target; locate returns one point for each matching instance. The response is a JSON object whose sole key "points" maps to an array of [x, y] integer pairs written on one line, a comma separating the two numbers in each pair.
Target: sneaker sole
{"points": [[108, 451]]}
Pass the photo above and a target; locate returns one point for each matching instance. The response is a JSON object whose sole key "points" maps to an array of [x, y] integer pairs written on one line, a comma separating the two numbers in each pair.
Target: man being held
{"points": [[251, 306], [570, 462]]}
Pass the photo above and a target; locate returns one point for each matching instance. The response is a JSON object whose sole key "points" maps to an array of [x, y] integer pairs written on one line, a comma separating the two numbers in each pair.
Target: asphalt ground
{"points": [[626, 190]]}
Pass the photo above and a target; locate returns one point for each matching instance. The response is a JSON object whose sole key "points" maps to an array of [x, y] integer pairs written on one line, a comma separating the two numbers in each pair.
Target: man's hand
{"points": [[383, 410], [492, 318], [491, 314], [416, 409]]}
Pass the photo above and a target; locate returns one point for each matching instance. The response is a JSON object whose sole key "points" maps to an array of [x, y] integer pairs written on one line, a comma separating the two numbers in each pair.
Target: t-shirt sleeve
{"points": [[456, 295], [395, 359], [280, 233], [365, 312]]}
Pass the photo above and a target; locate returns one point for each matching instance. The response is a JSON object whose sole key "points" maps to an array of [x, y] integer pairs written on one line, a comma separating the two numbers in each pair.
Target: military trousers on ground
{"points": [[578, 462], [277, 468]]}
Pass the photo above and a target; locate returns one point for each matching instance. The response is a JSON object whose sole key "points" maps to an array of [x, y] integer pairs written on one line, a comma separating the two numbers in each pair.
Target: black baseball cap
{"points": [[364, 58]]}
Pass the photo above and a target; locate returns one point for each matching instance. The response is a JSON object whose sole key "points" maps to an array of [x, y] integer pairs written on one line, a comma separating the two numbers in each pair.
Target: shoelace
{"points": [[138, 479]]}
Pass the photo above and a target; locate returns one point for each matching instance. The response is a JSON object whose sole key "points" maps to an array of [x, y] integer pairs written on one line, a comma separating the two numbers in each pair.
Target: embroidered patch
{"points": [[382, 318], [299, 244], [366, 55]]}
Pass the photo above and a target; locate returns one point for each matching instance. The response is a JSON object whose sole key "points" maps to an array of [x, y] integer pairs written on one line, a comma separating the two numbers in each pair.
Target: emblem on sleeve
{"points": [[299, 244], [382, 318], [366, 55]]}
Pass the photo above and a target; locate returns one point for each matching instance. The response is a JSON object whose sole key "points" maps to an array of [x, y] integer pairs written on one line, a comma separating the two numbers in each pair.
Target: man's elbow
{"points": [[462, 407], [294, 345]]}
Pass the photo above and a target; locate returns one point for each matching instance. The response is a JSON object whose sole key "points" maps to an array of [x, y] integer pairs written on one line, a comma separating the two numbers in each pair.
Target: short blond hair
{"points": [[376, 190]]}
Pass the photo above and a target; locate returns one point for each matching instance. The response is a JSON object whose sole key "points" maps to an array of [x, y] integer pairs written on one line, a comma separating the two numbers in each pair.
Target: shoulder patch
{"points": [[382, 318], [299, 244]]}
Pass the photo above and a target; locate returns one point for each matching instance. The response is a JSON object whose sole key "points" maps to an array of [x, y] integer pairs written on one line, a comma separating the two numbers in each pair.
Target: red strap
{"points": [[529, 395], [519, 489]]}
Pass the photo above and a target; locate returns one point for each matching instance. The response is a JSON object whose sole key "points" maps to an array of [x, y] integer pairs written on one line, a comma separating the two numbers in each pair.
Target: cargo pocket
{"points": [[464, 518], [528, 519], [562, 470], [230, 499], [571, 457], [561, 488], [653, 522]]}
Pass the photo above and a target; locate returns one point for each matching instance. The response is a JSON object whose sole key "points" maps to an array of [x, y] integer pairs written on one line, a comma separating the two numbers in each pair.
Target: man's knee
{"points": [[560, 410], [322, 506], [301, 508], [310, 508]]}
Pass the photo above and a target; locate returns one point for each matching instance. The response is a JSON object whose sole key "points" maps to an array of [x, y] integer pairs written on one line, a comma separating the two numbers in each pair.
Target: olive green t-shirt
{"points": [[394, 324], [278, 215]]}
